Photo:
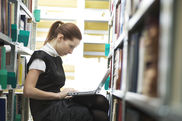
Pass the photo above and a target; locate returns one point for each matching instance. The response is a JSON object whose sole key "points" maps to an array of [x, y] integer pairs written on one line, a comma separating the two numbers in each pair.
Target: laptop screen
{"points": [[103, 80]]}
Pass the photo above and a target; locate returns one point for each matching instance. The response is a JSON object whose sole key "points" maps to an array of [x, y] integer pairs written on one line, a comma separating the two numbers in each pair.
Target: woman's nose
{"points": [[70, 51]]}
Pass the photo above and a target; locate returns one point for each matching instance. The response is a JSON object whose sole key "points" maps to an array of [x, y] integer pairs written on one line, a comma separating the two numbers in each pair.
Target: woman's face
{"points": [[64, 47]]}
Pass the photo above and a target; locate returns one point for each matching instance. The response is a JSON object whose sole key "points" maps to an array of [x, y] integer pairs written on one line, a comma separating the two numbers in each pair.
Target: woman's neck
{"points": [[53, 43]]}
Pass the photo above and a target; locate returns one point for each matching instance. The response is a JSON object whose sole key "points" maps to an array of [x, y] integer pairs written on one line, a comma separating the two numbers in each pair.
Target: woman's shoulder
{"points": [[39, 54]]}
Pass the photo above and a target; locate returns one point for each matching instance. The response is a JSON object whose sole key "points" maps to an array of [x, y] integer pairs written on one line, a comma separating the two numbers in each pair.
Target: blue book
{"points": [[3, 108]]}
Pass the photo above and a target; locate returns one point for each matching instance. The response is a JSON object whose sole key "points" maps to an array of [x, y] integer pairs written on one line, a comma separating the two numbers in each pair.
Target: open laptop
{"points": [[97, 90]]}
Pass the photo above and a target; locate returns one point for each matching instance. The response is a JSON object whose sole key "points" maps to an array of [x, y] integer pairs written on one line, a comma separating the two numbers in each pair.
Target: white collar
{"points": [[50, 50]]}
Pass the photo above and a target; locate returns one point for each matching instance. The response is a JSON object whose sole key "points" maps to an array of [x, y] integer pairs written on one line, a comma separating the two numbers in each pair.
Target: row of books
{"points": [[117, 110], [28, 3], [7, 16], [119, 27], [143, 58], [142, 64], [10, 28], [117, 75], [11, 78], [20, 108], [111, 6], [119, 18]]}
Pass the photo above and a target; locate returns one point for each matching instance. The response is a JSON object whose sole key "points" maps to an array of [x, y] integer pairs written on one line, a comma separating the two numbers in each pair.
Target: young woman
{"points": [[46, 76]]}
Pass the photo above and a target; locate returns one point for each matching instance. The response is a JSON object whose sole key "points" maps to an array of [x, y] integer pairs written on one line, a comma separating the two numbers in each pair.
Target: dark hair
{"points": [[69, 31]]}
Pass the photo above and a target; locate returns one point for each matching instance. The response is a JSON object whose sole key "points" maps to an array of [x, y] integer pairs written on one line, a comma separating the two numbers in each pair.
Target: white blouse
{"points": [[39, 64]]}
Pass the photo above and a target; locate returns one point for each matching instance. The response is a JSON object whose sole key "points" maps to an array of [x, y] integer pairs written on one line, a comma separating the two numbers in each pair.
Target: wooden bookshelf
{"points": [[142, 9], [147, 104], [25, 9], [17, 50], [24, 50], [120, 40], [118, 93], [161, 102], [5, 39]]}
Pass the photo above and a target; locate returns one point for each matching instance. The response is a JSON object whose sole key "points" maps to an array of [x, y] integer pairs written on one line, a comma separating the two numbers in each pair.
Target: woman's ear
{"points": [[60, 37]]}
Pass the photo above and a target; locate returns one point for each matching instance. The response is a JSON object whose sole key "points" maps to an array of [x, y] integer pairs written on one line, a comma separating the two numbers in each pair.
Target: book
{"points": [[118, 69], [119, 111], [141, 62], [114, 110], [12, 9], [21, 70], [3, 108], [0, 15], [3, 71], [133, 61], [151, 57], [0, 57]]}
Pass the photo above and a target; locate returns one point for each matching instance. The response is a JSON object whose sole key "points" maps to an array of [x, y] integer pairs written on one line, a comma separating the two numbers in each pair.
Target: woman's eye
{"points": [[71, 46]]}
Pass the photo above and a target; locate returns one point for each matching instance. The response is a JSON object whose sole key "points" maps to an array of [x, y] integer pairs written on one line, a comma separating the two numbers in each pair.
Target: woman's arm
{"points": [[31, 91]]}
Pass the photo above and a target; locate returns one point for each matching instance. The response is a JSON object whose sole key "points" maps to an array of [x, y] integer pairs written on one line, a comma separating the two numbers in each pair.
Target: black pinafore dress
{"points": [[52, 80]]}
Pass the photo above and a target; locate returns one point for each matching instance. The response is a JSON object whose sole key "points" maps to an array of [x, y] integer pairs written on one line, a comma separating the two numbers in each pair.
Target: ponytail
{"points": [[51, 33], [69, 31]]}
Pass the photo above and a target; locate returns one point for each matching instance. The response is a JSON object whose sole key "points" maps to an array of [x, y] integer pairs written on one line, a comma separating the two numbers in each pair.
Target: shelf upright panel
{"points": [[174, 83], [4, 39], [10, 106], [142, 9], [124, 65], [165, 46]]}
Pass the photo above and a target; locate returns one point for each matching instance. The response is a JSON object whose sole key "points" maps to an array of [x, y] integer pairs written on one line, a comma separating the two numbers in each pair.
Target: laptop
{"points": [[96, 91]]}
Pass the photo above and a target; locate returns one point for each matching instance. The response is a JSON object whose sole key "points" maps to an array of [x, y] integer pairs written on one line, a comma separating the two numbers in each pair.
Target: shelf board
{"points": [[16, 91], [24, 50], [6, 40], [111, 19], [27, 11], [116, 2], [142, 9], [174, 115], [110, 54], [96, 32], [147, 104], [119, 41], [118, 93]]}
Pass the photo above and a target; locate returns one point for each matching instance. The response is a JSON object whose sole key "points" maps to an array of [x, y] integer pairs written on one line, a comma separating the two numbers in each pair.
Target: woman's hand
{"points": [[64, 92]]}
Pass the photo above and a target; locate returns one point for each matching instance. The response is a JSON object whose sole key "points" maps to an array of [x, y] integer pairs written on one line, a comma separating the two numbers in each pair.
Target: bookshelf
{"points": [[13, 60], [147, 35]]}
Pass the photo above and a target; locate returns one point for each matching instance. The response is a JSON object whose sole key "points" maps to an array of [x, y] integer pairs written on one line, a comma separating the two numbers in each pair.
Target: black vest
{"points": [[51, 80]]}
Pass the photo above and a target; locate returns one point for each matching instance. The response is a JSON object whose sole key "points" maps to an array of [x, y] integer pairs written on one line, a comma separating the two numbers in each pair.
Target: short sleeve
{"points": [[38, 64]]}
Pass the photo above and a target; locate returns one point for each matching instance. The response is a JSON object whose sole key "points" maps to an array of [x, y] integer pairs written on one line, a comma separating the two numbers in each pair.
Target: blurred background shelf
{"points": [[147, 104], [142, 9], [24, 50], [118, 93], [120, 40], [26, 10], [5, 39]]}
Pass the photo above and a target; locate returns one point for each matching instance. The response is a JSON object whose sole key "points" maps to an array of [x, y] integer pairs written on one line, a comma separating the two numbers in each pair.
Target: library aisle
{"points": [[139, 41]]}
